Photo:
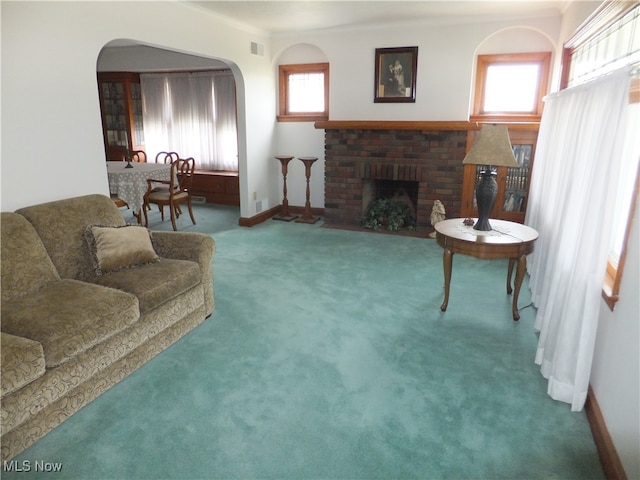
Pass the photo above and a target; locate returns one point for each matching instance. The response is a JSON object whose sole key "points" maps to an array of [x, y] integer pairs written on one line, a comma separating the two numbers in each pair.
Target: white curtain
{"points": [[573, 188], [193, 114]]}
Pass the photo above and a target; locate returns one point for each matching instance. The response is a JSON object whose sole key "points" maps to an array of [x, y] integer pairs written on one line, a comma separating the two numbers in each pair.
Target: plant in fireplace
{"points": [[390, 213]]}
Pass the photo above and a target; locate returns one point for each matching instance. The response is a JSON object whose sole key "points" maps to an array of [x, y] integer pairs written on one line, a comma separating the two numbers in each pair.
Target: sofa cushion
{"points": [[22, 362], [115, 248], [61, 225], [155, 283], [26, 266], [68, 317]]}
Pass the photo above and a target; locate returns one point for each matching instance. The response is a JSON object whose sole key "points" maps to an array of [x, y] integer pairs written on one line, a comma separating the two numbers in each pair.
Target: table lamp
{"points": [[492, 148]]}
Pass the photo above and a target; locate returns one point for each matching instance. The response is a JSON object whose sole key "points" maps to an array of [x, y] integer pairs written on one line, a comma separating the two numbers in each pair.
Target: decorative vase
{"points": [[486, 191]]}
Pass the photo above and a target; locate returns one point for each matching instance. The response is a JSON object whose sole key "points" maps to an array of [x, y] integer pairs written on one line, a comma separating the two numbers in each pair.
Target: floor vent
{"points": [[196, 199]]}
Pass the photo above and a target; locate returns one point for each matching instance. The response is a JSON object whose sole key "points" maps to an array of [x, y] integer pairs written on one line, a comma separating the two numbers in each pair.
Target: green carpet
{"points": [[328, 357]]}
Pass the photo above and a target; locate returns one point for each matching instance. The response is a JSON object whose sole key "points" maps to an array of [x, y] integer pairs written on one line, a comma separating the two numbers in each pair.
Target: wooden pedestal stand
{"points": [[284, 213], [306, 216]]}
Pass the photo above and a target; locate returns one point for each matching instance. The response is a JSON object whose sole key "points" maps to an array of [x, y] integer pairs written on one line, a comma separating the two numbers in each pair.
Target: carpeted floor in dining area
{"points": [[327, 357]]}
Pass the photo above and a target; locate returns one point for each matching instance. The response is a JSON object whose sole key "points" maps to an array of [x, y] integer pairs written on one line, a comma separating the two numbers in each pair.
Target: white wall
{"points": [[615, 375], [445, 75], [301, 139], [49, 92], [446, 56]]}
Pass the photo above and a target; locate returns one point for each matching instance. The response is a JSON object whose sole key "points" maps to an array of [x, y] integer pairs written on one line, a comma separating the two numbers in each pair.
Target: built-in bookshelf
{"points": [[517, 180], [121, 106], [513, 182]]}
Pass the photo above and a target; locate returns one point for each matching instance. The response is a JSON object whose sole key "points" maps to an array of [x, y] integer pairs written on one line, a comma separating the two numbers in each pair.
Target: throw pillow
{"points": [[115, 248]]}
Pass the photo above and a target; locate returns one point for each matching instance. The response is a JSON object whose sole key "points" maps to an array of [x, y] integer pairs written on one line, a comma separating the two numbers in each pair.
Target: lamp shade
{"points": [[492, 147]]}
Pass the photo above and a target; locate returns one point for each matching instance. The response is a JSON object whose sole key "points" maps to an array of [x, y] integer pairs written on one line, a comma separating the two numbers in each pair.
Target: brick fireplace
{"points": [[367, 159]]}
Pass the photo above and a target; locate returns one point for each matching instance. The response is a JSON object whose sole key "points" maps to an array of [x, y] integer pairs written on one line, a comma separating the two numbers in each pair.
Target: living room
{"points": [[53, 148]]}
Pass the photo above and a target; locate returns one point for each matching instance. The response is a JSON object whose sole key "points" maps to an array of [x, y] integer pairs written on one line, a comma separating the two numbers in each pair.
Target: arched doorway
{"points": [[126, 61]]}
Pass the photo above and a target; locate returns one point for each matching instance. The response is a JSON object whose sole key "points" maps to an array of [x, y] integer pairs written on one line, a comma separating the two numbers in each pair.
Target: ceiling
{"points": [[281, 17]]}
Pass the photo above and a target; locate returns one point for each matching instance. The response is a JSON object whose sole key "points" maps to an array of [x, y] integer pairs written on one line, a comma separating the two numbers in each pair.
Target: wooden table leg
{"points": [[512, 262], [447, 263], [522, 267]]}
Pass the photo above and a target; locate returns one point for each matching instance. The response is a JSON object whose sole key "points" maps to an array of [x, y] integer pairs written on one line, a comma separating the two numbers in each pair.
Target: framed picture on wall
{"points": [[395, 77]]}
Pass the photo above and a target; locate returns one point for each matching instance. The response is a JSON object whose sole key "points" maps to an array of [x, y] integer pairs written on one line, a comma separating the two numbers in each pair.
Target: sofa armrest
{"points": [[197, 247]]}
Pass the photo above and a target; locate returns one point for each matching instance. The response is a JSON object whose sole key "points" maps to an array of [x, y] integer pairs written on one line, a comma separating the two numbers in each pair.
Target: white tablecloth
{"points": [[130, 184]]}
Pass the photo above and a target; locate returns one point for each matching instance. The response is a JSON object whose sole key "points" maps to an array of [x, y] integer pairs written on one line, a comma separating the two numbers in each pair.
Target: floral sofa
{"points": [[86, 300]]}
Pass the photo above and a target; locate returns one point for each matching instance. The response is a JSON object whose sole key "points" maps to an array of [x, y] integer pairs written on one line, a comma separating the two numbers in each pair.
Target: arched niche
{"points": [[300, 138], [301, 53], [519, 39], [516, 40]]}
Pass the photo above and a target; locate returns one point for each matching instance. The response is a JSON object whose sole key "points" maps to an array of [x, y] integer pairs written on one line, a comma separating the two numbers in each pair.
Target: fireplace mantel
{"points": [[395, 125], [426, 126]]}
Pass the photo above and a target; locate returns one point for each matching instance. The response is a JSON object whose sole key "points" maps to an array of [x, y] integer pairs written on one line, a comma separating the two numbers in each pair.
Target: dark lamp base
{"points": [[486, 191], [482, 225]]}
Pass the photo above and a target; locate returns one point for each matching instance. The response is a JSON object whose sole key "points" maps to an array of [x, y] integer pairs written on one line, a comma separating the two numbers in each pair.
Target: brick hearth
{"points": [[355, 156]]}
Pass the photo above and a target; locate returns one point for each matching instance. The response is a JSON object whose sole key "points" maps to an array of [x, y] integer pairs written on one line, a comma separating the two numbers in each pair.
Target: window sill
{"points": [[302, 118], [504, 118]]}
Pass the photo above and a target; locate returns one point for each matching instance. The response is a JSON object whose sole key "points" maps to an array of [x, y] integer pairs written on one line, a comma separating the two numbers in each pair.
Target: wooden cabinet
{"points": [[222, 188], [121, 107], [513, 182]]}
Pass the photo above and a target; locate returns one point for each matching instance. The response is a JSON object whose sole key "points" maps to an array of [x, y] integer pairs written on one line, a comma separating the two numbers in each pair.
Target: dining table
{"points": [[130, 183]]}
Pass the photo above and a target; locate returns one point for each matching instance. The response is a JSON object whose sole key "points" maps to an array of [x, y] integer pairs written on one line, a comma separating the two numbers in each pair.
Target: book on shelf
{"points": [[514, 202]]}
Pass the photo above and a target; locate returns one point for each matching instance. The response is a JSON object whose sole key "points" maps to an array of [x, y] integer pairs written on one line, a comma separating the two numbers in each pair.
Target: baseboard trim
{"points": [[611, 464], [317, 212], [259, 218], [267, 214]]}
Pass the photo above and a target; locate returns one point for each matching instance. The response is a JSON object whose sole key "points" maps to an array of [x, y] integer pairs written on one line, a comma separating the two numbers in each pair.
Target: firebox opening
{"points": [[405, 191]]}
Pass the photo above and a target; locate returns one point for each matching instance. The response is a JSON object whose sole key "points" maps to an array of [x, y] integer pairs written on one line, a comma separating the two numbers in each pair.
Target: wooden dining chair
{"points": [[179, 191], [118, 201], [166, 157], [138, 156]]}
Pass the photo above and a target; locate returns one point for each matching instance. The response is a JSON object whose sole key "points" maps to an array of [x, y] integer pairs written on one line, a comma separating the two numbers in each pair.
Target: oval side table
{"points": [[505, 240]]}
